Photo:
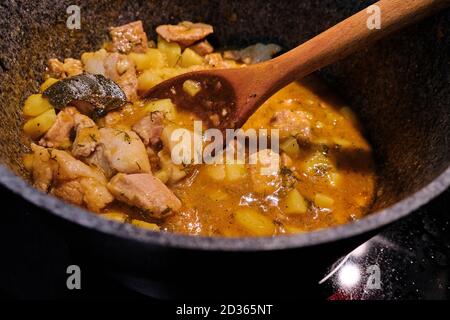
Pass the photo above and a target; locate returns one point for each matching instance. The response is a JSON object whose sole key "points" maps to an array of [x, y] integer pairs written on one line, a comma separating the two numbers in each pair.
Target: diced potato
{"points": [[145, 225], [216, 171], [293, 230], [48, 83], [28, 161], [192, 87], [254, 222], [148, 79], [349, 114], [235, 172], [291, 147], [344, 143], [172, 50], [218, 195], [318, 165], [294, 203], [36, 105], [167, 73], [115, 216], [335, 179], [163, 175], [38, 126], [152, 59], [164, 105], [190, 58], [323, 201]]}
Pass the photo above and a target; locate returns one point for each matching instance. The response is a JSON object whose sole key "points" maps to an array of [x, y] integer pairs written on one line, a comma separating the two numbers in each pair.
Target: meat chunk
{"points": [[128, 38], [98, 159], [145, 192], [124, 151], [66, 177], [67, 120], [85, 142], [42, 168], [254, 54], [117, 67], [59, 133], [150, 128], [292, 123], [87, 136], [185, 33], [84, 191], [59, 70], [203, 48]]}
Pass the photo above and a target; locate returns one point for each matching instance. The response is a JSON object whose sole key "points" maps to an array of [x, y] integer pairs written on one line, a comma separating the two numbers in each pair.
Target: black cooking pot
{"points": [[399, 87]]}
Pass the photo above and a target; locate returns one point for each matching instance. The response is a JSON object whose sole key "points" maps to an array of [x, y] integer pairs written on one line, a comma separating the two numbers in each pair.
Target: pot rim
{"points": [[89, 220]]}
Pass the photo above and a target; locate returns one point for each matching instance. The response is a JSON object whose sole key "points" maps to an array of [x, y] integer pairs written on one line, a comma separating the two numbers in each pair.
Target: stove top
{"points": [[408, 260]]}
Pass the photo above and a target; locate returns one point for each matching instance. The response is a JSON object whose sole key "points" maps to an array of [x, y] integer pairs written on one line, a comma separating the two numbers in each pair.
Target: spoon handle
{"points": [[348, 36]]}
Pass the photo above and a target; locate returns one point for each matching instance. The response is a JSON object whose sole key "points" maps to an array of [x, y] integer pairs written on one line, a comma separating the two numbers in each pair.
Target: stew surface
{"points": [[95, 143]]}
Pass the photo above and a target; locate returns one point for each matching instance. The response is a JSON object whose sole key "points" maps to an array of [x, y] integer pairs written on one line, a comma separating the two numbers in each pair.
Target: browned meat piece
{"points": [[70, 67], [216, 60], [292, 124], [129, 37], [145, 192], [86, 136], [254, 54], [185, 33], [43, 168], [96, 195], [150, 128], [155, 162], [117, 67], [84, 191], [59, 134], [82, 121], [98, 159], [71, 191], [69, 178], [85, 142], [203, 48], [124, 151]]}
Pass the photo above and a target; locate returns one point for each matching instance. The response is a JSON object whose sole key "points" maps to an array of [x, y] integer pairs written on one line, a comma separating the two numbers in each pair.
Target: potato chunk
{"points": [[294, 203], [38, 126], [254, 222], [35, 105]]}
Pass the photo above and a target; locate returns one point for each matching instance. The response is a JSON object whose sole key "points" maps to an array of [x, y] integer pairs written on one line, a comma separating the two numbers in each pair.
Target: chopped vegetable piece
{"points": [[235, 172], [172, 50], [291, 147], [323, 201], [254, 222], [151, 59], [164, 105], [115, 216], [38, 126], [35, 105], [148, 79], [189, 58], [192, 87], [48, 83], [294, 203], [145, 225]]}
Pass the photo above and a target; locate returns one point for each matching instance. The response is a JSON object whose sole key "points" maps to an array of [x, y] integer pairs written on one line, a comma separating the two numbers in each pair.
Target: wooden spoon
{"points": [[228, 97]]}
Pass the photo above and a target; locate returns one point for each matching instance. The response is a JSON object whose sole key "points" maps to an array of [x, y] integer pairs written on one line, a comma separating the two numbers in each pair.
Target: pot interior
{"points": [[398, 87]]}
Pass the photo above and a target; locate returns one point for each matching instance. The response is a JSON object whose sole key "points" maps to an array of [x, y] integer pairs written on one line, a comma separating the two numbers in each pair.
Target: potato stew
{"points": [[94, 142]]}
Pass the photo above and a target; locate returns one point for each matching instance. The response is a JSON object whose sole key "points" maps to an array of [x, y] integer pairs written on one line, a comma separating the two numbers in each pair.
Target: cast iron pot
{"points": [[399, 87]]}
